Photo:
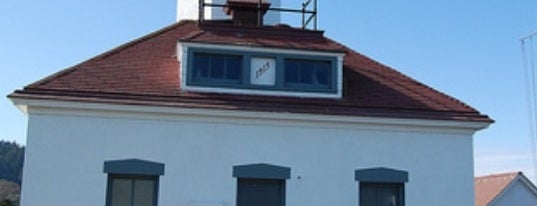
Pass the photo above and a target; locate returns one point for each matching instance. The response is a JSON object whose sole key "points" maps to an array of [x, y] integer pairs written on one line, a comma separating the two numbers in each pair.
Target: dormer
{"points": [[241, 57], [238, 69], [260, 71]]}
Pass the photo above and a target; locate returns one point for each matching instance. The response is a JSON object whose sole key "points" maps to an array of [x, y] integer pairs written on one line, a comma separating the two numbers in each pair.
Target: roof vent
{"points": [[246, 12]]}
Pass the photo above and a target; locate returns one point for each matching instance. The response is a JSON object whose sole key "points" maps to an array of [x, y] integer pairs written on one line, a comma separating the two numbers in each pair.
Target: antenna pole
{"points": [[315, 13], [304, 15], [201, 10], [528, 36], [528, 62], [312, 14], [259, 15]]}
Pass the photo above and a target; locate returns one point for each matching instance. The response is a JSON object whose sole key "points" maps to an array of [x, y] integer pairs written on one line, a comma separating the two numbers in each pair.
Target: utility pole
{"points": [[527, 46]]}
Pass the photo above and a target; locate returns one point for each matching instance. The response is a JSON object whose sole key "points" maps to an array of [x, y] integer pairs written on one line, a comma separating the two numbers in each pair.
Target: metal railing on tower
{"points": [[308, 11]]}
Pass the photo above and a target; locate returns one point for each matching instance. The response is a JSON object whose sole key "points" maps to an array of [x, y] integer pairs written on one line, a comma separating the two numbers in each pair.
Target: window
{"points": [[260, 192], [132, 182], [126, 190], [261, 184], [217, 68], [307, 73], [381, 194], [257, 72], [381, 186]]}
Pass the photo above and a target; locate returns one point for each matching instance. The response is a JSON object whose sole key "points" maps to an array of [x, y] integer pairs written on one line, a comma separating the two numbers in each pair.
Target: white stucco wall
{"points": [[65, 155], [517, 194]]}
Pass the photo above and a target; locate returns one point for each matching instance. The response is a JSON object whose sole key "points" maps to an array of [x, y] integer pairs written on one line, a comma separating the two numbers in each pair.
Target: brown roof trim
{"points": [[248, 103]]}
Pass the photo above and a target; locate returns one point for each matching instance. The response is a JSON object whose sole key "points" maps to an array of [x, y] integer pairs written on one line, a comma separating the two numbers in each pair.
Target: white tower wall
{"points": [[188, 9]]}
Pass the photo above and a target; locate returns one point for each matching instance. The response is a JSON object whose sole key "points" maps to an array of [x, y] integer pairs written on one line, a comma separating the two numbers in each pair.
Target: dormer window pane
{"points": [[306, 73], [291, 71], [322, 74], [217, 68], [202, 67], [234, 70], [309, 73]]}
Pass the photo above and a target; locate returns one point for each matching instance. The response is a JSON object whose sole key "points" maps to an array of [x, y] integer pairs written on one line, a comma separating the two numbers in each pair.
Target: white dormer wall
{"points": [[188, 9]]}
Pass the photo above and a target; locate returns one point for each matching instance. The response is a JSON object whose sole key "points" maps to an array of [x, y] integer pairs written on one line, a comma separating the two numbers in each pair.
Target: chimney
{"points": [[189, 10], [246, 12]]}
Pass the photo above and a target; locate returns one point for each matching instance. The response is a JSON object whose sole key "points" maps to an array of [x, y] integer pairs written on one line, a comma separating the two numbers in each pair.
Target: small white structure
{"points": [[510, 189], [189, 10]]}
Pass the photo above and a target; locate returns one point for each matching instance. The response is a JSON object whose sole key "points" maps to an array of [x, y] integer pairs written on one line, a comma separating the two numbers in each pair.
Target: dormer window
{"points": [[260, 71], [217, 69], [301, 73]]}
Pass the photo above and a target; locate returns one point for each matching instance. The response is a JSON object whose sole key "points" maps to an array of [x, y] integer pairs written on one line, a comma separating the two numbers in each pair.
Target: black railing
{"points": [[308, 11]]}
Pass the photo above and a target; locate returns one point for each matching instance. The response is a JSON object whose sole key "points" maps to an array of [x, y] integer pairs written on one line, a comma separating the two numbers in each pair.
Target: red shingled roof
{"points": [[488, 187], [146, 72]]}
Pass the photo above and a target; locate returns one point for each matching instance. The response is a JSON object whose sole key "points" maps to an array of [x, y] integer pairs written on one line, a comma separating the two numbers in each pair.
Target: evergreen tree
{"points": [[9, 193], [7, 202], [11, 161]]}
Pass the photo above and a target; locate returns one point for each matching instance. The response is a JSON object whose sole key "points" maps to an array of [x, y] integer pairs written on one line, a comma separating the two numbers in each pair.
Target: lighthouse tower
{"points": [[189, 9]]}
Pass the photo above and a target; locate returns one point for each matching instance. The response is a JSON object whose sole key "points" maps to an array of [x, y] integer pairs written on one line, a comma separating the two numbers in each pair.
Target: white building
{"points": [[509, 189], [232, 114]]}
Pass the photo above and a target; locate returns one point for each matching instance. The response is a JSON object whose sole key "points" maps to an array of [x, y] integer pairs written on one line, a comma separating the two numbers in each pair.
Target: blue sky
{"points": [[468, 49]]}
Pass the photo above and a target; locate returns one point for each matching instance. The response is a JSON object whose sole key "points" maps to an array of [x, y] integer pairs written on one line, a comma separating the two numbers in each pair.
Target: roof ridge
{"points": [[498, 175], [141, 39], [108, 53], [192, 35]]}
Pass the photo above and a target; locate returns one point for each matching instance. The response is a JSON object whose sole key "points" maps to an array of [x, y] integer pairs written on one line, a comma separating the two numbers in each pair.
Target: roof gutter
{"points": [[172, 112]]}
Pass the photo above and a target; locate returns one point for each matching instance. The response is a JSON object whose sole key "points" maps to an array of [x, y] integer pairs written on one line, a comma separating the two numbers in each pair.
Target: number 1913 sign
{"points": [[263, 71]]}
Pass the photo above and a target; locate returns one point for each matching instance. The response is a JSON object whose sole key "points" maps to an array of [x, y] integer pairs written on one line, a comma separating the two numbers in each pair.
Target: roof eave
{"points": [[23, 101]]}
